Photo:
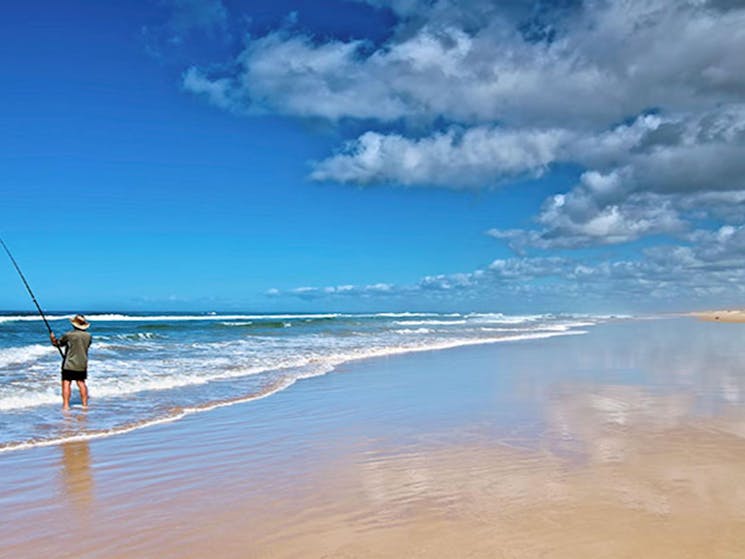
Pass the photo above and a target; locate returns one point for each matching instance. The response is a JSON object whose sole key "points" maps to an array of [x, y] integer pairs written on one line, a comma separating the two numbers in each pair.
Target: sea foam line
{"points": [[154, 382], [122, 388], [113, 317], [24, 354], [142, 425]]}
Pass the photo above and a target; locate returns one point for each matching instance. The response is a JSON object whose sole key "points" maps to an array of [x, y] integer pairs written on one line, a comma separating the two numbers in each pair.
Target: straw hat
{"points": [[79, 322]]}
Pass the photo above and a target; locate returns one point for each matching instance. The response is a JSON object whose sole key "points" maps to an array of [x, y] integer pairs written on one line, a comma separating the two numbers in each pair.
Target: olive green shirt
{"points": [[76, 343]]}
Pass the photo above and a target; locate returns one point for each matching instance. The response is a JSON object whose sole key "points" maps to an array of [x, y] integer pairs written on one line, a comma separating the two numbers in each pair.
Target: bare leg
{"points": [[66, 389], [83, 392]]}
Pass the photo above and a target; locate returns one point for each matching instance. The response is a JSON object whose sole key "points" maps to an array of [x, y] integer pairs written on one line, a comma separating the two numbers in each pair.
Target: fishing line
{"points": [[33, 297]]}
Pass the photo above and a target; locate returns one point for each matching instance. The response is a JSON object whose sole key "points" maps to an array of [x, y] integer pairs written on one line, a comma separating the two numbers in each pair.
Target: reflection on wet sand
{"points": [[76, 473], [652, 452], [664, 492], [593, 422], [620, 472], [75, 468]]}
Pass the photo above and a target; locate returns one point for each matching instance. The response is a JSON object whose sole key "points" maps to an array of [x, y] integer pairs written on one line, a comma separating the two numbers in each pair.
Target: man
{"points": [[75, 364]]}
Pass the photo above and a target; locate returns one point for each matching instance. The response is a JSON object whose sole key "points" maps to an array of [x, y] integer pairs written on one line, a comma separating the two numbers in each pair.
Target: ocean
{"points": [[149, 368]]}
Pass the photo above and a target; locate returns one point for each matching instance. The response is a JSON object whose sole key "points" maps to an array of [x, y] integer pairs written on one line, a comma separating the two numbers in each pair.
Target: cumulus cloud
{"points": [[576, 219], [521, 84], [707, 271], [645, 97], [454, 158], [609, 61], [647, 179], [292, 74], [219, 92], [518, 105], [356, 291]]}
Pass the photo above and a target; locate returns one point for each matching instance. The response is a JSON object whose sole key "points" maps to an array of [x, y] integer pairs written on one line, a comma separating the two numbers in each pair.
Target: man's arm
{"points": [[55, 342]]}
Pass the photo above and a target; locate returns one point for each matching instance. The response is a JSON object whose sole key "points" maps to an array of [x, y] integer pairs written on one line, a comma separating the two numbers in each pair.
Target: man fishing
{"points": [[76, 342], [75, 361]]}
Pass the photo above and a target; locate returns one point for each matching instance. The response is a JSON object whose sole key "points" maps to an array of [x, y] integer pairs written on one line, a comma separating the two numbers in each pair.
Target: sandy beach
{"points": [[624, 442], [731, 315]]}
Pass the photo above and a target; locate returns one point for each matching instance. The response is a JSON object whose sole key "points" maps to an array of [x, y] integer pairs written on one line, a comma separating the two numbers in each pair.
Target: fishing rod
{"points": [[33, 297]]}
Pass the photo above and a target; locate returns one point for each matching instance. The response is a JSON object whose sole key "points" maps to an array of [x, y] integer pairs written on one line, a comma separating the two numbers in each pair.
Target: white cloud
{"points": [[453, 158], [649, 179], [292, 74], [707, 271], [219, 92], [646, 96], [479, 156], [576, 219], [307, 292], [607, 62], [515, 104]]}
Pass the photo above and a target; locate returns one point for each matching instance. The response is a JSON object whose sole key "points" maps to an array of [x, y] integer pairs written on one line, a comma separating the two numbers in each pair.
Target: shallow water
{"points": [[151, 368]]}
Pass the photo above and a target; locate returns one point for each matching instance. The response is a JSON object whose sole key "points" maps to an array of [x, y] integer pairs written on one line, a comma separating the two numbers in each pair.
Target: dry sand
{"points": [[721, 316]]}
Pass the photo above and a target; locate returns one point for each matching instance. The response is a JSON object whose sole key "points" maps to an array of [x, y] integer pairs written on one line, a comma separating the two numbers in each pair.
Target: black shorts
{"points": [[74, 375]]}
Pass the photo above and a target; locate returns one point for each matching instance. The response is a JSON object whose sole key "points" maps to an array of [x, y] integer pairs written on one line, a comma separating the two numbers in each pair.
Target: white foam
{"points": [[567, 326], [304, 368], [209, 317], [120, 317], [400, 314], [144, 424], [113, 317], [19, 400], [24, 354], [131, 337], [195, 370], [111, 383], [500, 318], [429, 322], [407, 331], [136, 362], [32, 318]]}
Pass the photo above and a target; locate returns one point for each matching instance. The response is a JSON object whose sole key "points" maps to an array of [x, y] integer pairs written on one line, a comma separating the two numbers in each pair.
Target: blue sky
{"points": [[382, 154]]}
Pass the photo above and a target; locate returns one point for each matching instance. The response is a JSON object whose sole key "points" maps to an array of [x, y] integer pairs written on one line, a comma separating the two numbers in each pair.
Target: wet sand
{"points": [[626, 442]]}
